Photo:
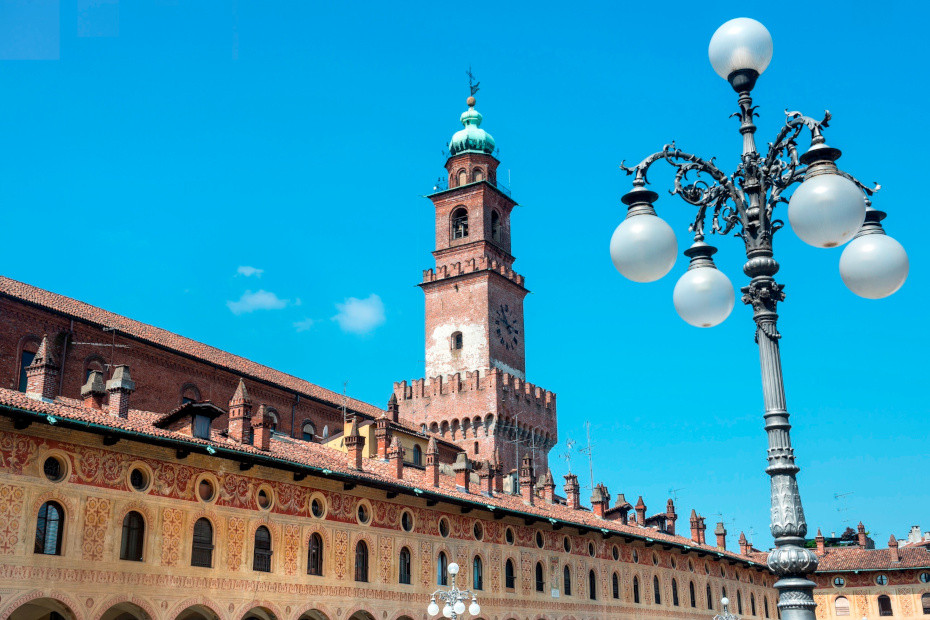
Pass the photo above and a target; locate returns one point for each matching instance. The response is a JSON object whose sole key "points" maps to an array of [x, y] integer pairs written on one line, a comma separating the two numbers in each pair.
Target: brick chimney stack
{"points": [[670, 517], [42, 373], [261, 429], [527, 477], [462, 470], [893, 548], [486, 476], [355, 444], [572, 496], [393, 410], [120, 387], [432, 461], [396, 458], [821, 546], [382, 437], [624, 507], [721, 533], [240, 414], [862, 538], [640, 511], [702, 529], [743, 544], [548, 487], [498, 473], [600, 500], [695, 526], [94, 391]]}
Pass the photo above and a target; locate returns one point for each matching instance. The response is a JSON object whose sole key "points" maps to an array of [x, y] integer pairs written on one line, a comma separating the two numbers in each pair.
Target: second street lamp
{"points": [[829, 208]]}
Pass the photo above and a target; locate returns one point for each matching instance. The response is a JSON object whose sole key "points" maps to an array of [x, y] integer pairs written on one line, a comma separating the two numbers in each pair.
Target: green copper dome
{"points": [[472, 139]]}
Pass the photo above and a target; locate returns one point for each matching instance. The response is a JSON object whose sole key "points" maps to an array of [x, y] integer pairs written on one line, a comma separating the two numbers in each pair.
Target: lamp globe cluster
{"points": [[453, 599]]}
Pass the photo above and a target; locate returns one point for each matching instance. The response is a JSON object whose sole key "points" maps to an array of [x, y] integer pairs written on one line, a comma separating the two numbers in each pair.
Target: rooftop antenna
{"points": [[589, 450], [752, 532], [567, 455], [345, 414], [845, 506], [513, 430], [674, 494], [113, 346]]}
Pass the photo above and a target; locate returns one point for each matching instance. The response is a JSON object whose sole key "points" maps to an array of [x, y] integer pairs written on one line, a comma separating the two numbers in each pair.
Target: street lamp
{"points": [[453, 599], [829, 208], [726, 615]]}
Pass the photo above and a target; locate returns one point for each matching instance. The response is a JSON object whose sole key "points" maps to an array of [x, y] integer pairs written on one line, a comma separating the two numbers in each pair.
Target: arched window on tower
{"points": [[496, 229], [567, 580], [190, 394], [477, 175], [462, 177], [457, 341], [460, 223]]}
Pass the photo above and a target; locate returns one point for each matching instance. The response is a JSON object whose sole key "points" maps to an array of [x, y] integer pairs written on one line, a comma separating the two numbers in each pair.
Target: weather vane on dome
{"points": [[472, 84]]}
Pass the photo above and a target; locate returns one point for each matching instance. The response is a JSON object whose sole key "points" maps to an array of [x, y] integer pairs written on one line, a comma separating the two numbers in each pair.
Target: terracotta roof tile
{"points": [[852, 558], [163, 338], [296, 452]]}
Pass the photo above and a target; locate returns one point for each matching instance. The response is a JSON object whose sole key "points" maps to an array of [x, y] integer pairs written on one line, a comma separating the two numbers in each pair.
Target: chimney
{"points": [[600, 500], [94, 390], [240, 414], [42, 373], [702, 528], [893, 548], [695, 526], [396, 458], [721, 533], [572, 497], [821, 547], [863, 539], [641, 511], [120, 387], [462, 470], [261, 429], [355, 445], [670, 517], [498, 473], [624, 507], [382, 437], [432, 461], [526, 480], [393, 410], [743, 544], [486, 476], [548, 486]]}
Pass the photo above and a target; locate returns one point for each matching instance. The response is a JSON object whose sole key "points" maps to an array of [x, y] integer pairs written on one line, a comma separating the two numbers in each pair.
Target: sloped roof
{"points": [[163, 338], [291, 454]]}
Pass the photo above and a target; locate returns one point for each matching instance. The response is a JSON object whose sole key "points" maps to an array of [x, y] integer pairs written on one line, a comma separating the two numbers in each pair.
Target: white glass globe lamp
{"points": [[874, 265], [703, 296], [453, 569], [474, 609], [459, 607], [447, 611], [740, 45], [643, 248], [725, 601], [827, 210], [433, 608]]}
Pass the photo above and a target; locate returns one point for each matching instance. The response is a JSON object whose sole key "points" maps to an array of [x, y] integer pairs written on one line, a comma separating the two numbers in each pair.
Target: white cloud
{"points": [[360, 316], [245, 270], [259, 300], [304, 325]]}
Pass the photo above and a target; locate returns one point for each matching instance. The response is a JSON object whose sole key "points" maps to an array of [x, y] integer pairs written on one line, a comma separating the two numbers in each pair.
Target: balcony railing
{"points": [[442, 185]]}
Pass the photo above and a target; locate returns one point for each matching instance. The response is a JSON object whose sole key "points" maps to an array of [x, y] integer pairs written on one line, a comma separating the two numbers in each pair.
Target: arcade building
{"points": [[146, 476]]}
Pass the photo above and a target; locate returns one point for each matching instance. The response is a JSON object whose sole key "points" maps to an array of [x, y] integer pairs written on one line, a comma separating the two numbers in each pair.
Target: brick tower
{"points": [[475, 391]]}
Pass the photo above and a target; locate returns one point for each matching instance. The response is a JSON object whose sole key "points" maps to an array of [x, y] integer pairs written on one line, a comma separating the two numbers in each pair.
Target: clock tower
{"points": [[475, 391]]}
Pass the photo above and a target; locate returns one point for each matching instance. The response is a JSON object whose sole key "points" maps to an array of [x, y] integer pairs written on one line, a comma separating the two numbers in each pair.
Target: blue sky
{"points": [[251, 175]]}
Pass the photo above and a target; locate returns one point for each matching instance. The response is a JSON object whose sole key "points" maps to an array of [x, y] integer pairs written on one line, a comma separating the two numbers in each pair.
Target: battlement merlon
{"points": [[507, 385], [472, 266]]}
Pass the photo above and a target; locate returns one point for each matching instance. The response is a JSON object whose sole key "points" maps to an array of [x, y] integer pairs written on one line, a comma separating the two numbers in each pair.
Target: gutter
{"points": [[278, 463]]}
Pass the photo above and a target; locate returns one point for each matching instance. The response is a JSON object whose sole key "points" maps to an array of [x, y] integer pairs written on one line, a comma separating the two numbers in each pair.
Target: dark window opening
{"points": [[477, 574], [49, 529], [540, 578], [752, 604], [691, 592], [459, 223], [496, 229], [615, 586], [657, 593], [308, 431], [202, 426], [884, 605], [315, 555], [25, 360], [710, 598], [261, 558], [442, 569], [202, 546], [674, 593], [510, 577], [592, 585], [404, 566], [361, 561], [635, 589], [457, 341], [567, 581], [739, 602], [133, 537], [417, 455]]}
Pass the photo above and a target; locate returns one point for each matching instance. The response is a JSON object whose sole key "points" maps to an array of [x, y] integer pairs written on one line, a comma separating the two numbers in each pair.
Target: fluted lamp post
{"points": [[453, 600], [829, 208]]}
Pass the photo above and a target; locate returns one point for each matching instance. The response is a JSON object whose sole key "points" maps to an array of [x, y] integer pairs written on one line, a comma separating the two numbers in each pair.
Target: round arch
{"points": [[195, 609], [42, 608], [361, 614], [314, 614], [126, 610], [259, 612]]}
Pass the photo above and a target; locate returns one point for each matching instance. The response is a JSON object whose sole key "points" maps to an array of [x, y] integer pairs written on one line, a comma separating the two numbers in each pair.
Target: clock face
{"points": [[505, 326]]}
